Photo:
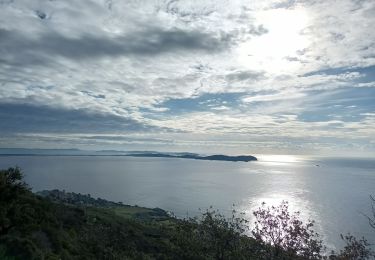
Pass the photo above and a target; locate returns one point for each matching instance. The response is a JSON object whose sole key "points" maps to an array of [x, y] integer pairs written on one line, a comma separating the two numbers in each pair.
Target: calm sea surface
{"points": [[333, 192]]}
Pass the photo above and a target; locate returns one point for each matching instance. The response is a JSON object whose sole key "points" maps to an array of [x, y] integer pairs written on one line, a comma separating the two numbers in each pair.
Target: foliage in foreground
{"points": [[285, 232], [32, 227]]}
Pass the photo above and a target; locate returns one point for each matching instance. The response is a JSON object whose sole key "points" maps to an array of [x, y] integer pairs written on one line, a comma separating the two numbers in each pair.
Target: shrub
{"points": [[371, 218], [354, 249], [213, 236], [282, 232]]}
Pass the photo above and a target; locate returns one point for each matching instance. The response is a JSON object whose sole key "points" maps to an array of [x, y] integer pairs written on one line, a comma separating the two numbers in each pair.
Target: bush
{"points": [[212, 236], [354, 249], [371, 218], [282, 232]]}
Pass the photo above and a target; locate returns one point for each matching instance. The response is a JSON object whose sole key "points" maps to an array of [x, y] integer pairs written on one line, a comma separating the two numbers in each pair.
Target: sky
{"points": [[236, 77]]}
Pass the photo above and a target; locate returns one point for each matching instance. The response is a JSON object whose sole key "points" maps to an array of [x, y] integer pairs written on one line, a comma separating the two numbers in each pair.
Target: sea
{"points": [[334, 192]]}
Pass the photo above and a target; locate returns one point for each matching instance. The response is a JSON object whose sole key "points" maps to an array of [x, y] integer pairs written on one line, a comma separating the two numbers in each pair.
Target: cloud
{"points": [[21, 50], [244, 75], [22, 118], [187, 73], [274, 97]]}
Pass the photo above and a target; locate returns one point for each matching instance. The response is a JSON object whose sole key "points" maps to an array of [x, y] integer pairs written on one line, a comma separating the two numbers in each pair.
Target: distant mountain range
{"points": [[78, 152], [216, 157]]}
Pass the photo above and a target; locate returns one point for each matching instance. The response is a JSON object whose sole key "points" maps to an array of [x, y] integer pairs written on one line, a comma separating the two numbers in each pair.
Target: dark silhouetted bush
{"points": [[285, 232]]}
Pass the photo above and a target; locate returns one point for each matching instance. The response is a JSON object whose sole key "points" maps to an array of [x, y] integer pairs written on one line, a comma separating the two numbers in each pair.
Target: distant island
{"points": [[216, 157], [78, 152]]}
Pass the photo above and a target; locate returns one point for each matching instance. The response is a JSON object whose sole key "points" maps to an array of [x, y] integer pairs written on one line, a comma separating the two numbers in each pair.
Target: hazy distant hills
{"points": [[78, 152], [27, 151], [217, 157]]}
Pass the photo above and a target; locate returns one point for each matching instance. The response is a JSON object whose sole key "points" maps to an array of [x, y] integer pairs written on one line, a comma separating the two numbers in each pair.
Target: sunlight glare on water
{"points": [[277, 159]]}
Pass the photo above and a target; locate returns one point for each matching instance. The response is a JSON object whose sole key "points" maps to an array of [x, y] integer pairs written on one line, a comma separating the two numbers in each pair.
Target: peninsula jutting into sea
{"points": [[78, 152]]}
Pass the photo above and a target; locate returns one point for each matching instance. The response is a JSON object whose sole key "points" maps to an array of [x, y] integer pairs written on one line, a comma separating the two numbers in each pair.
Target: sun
{"points": [[276, 51]]}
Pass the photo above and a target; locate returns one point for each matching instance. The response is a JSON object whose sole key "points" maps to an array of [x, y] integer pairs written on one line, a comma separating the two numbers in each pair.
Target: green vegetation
{"points": [[61, 226]]}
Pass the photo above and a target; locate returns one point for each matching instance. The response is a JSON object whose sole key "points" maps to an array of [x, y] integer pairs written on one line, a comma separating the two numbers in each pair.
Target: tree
{"points": [[354, 249], [283, 232], [11, 187], [213, 236], [357, 248], [371, 219], [12, 178]]}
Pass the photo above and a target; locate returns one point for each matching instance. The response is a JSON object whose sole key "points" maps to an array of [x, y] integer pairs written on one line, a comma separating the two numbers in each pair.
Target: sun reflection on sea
{"points": [[277, 159], [295, 204], [283, 178]]}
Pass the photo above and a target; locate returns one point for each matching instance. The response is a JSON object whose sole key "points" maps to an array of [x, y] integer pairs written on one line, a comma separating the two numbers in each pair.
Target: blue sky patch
{"points": [[205, 102], [346, 105]]}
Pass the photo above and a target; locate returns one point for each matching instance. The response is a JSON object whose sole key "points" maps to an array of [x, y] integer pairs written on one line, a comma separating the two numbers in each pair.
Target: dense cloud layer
{"points": [[35, 119], [21, 50], [266, 76]]}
